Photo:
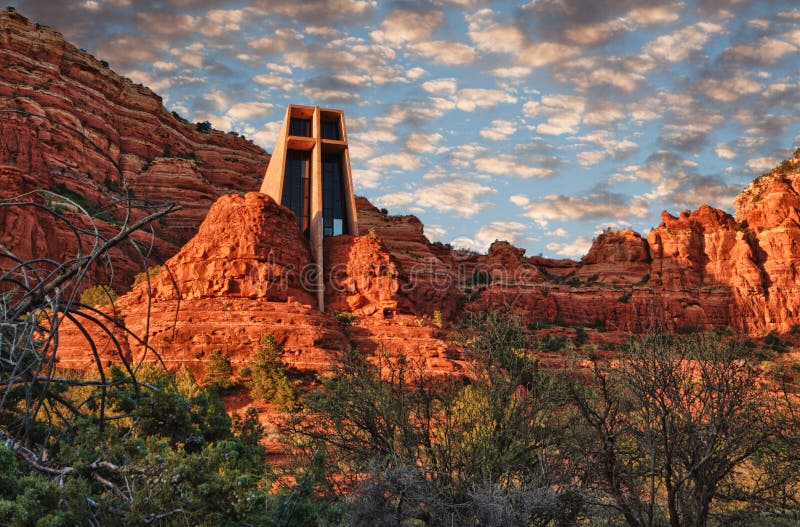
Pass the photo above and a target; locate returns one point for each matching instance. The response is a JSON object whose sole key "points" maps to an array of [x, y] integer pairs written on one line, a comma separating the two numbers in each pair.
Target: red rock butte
{"points": [[236, 267]]}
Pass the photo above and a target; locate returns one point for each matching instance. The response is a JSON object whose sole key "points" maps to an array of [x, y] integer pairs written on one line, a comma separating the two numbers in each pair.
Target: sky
{"points": [[538, 122]]}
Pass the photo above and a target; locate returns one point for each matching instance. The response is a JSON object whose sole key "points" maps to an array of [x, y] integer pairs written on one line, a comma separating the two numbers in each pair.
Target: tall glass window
{"points": [[301, 127], [297, 187], [334, 217], [329, 130]]}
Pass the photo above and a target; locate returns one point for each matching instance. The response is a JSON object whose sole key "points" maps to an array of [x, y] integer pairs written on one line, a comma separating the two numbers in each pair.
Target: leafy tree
{"points": [[204, 127], [219, 372], [268, 381]]}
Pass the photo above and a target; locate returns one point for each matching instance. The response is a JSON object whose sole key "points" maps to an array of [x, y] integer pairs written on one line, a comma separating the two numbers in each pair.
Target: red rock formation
{"points": [[70, 123], [429, 273], [243, 276]]}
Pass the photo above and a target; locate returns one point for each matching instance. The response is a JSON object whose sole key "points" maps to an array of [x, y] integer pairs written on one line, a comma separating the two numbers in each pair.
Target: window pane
{"points": [[296, 187], [330, 130], [301, 127]]}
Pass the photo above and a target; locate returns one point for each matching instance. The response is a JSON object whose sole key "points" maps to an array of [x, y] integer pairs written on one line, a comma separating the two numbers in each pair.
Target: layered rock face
{"points": [[248, 273], [701, 269], [71, 125]]}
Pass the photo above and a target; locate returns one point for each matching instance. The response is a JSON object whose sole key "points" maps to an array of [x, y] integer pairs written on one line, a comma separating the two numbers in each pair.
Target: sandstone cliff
{"points": [[70, 124], [248, 273]]}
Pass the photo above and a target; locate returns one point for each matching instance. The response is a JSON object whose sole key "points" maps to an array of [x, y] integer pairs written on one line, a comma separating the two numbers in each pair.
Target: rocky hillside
{"points": [[70, 124]]}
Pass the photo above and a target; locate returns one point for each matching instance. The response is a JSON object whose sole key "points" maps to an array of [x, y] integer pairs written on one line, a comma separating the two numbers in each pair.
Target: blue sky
{"points": [[539, 122]]}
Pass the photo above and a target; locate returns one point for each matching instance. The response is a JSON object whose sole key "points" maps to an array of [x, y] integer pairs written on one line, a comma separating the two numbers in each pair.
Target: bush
{"points": [[204, 127], [551, 342], [344, 318], [219, 372], [581, 337], [268, 380], [98, 296]]}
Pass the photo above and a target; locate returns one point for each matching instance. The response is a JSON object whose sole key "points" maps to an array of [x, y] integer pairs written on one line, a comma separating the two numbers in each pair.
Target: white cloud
{"points": [[654, 15], [591, 158], [402, 160], [545, 53], [282, 39], [279, 68], [764, 51], [604, 114], [513, 72], [434, 232], [682, 44], [366, 178], [504, 165], [407, 26], [445, 52], [729, 89], [219, 22], [613, 147], [459, 197], [471, 99], [508, 231], [559, 207], [244, 111], [597, 33], [191, 55], [423, 143], [725, 152], [519, 200], [152, 82], [499, 130], [268, 136], [576, 249], [395, 200], [160, 65], [762, 164], [275, 81], [440, 86], [558, 233], [490, 36], [563, 113]]}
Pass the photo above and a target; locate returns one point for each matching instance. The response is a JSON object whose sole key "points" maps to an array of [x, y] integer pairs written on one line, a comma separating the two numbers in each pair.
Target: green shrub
{"points": [[111, 185], [625, 298], [219, 372], [268, 380], [344, 318], [204, 127], [775, 343], [580, 338], [98, 296], [551, 342]]}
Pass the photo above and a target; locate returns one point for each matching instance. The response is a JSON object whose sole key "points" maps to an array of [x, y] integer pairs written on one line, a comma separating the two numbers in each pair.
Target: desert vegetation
{"points": [[676, 430]]}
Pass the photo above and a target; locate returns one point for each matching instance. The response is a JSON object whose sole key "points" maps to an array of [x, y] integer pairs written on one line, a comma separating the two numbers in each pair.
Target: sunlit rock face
{"points": [[236, 267], [68, 123]]}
